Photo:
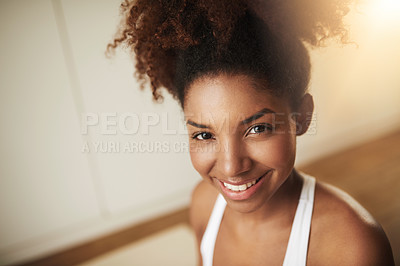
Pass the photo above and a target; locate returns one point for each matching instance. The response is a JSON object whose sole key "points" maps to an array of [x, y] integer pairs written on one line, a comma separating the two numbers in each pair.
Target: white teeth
{"points": [[241, 187]]}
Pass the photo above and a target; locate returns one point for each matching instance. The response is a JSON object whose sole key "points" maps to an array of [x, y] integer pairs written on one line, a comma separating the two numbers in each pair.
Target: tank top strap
{"points": [[210, 235], [296, 252]]}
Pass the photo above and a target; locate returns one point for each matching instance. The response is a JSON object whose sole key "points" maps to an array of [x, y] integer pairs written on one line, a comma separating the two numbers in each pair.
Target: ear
{"points": [[304, 115]]}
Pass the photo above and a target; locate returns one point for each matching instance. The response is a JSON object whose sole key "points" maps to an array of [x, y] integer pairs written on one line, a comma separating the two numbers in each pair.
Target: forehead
{"points": [[223, 96]]}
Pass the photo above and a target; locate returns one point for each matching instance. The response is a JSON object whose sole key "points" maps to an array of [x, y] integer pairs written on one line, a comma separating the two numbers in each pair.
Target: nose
{"points": [[233, 158]]}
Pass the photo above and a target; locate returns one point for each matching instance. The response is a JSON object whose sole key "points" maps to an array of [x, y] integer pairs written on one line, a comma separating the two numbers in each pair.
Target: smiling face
{"points": [[242, 140]]}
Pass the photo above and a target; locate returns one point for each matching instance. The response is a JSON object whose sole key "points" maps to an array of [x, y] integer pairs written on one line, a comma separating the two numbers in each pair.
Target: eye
{"points": [[202, 136], [260, 128]]}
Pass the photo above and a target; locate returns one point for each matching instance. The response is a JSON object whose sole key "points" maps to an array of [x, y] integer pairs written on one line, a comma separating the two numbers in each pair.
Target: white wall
{"points": [[54, 193], [53, 71], [356, 87]]}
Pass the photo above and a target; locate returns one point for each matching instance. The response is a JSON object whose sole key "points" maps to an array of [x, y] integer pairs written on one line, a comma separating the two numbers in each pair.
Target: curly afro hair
{"points": [[177, 41]]}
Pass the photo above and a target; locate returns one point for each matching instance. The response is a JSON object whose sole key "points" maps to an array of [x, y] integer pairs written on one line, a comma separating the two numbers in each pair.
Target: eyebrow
{"points": [[190, 122], [257, 115], [253, 117]]}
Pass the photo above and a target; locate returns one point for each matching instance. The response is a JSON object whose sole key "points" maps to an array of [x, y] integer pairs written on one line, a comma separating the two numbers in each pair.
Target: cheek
{"points": [[287, 151], [202, 160], [278, 152]]}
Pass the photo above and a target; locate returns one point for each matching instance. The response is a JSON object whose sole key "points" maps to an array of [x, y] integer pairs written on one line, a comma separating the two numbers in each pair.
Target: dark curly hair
{"points": [[177, 41]]}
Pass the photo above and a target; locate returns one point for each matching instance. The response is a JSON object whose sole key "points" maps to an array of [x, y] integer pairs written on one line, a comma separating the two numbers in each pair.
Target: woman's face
{"points": [[242, 140]]}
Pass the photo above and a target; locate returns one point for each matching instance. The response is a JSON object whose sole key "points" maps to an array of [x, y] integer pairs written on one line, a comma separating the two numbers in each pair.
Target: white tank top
{"points": [[296, 251]]}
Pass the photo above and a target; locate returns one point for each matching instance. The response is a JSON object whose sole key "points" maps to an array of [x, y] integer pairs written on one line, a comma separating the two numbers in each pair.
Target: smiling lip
{"points": [[242, 195]]}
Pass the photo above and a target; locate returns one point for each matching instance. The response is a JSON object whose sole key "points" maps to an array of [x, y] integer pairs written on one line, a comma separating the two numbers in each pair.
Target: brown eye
{"points": [[258, 129], [203, 136]]}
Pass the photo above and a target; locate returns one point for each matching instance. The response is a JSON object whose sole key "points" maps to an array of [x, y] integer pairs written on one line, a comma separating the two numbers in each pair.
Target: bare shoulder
{"points": [[202, 203], [345, 233]]}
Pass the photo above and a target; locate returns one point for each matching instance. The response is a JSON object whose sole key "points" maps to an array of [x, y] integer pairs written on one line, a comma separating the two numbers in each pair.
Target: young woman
{"points": [[240, 71]]}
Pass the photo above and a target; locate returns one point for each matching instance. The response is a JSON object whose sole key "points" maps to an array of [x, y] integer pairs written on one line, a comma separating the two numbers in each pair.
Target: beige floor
{"points": [[175, 246]]}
